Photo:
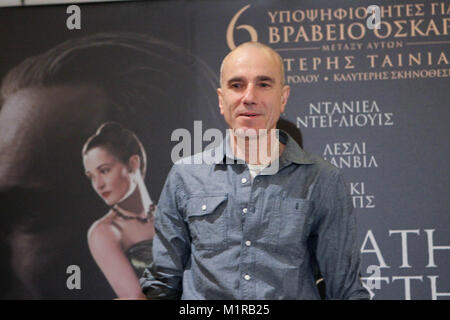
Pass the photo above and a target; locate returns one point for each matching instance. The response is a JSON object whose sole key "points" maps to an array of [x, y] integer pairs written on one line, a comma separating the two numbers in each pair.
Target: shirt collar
{"points": [[292, 151]]}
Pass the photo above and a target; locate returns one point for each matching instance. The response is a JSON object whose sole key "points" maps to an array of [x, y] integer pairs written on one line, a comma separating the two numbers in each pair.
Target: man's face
{"points": [[36, 127], [252, 95], [42, 131]]}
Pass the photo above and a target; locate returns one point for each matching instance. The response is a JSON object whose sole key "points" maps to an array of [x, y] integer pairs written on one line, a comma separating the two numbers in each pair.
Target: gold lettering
{"points": [[372, 59], [386, 60], [414, 27], [388, 30], [272, 16], [316, 61], [433, 26], [288, 63], [323, 14], [349, 64], [288, 18], [433, 7], [274, 36], [287, 31], [330, 29], [298, 19], [398, 24], [409, 10], [386, 12], [417, 59], [350, 13], [335, 62], [340, 13], [446, 26], [301, 34], [399, 7], [419, 8], [341, 31], [361, 13], [316, 30], [362, 31], [442, 57], [302, 64], [312, 14]]}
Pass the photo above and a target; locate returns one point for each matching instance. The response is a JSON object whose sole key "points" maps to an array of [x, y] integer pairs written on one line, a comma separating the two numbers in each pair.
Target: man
{"points": [[235, 229]]}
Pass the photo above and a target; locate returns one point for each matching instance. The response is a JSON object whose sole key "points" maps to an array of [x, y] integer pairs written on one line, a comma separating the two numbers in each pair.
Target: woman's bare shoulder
{"points": [[104, 229]]}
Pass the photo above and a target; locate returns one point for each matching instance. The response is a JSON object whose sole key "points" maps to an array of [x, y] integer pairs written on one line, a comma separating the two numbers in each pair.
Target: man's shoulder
{"points": [[196, 164], [297, 154], [201, 158], [322, 171], [321, 164]]}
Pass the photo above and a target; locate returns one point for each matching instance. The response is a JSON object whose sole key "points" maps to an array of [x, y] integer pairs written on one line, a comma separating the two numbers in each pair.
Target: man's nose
{"points": [[250, 95]]}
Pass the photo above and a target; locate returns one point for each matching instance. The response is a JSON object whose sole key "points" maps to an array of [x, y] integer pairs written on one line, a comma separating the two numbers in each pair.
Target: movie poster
{"points": [[369, 93]]}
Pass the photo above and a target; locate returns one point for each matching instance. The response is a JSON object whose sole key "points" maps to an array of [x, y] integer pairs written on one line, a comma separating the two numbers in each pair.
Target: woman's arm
{"points": [[105, 247]]}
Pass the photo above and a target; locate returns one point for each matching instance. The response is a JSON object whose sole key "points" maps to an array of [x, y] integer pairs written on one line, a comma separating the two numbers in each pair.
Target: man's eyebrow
{"points": [[265, 78], [235, 79], [258, 78]]}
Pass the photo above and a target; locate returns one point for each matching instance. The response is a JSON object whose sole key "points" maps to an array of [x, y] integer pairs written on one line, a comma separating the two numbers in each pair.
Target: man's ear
{"points": [[219, 96], [284, 97]]}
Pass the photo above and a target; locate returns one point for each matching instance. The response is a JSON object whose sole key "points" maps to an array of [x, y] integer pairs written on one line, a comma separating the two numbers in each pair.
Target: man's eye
{"points": [[236, 85], [104, 171], [264, 85]]}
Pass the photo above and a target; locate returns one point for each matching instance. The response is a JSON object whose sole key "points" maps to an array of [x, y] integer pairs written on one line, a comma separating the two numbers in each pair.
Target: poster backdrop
{"points": [[374, 102]]}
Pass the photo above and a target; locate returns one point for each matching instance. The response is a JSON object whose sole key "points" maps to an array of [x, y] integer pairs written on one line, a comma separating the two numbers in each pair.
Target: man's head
{"points": [[252, 94]]}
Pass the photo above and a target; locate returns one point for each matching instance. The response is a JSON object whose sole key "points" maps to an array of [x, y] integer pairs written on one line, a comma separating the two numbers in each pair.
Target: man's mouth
{"points": [[249, 114]]}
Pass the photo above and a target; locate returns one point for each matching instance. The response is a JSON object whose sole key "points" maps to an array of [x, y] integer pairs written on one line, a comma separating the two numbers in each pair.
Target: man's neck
{"points": [[258, 150]]}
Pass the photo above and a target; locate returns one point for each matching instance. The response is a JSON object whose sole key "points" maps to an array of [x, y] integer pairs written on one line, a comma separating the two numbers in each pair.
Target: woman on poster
{"points": [[120, 241]]}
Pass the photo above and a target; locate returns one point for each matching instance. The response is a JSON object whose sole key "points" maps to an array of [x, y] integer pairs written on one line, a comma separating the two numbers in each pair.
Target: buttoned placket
{"points": [[247, 198]]}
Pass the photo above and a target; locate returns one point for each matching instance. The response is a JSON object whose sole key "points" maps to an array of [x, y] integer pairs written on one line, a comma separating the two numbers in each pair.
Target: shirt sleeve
{"points": [[162, 279], [337, 252]]}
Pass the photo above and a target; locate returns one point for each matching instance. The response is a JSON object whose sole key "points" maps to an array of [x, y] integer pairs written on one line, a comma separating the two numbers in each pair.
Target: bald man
{"points": [[254, 224]]}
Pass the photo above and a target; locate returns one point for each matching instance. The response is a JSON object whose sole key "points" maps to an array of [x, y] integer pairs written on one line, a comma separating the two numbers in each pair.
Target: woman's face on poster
{"points": [[110, 177]]}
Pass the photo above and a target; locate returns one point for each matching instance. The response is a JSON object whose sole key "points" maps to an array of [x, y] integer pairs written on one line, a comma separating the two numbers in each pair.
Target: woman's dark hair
{"points": [[119, 141]]}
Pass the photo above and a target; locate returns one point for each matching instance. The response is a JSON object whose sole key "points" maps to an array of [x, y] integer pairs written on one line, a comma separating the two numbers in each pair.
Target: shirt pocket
{"points": [[293, 230], [207, 219]]}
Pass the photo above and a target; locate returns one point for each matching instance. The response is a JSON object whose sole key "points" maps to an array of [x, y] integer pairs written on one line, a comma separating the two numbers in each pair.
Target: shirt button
{"points": [[247, 277], [244, 210], [204, 207], [248, 243], [244, 180]]}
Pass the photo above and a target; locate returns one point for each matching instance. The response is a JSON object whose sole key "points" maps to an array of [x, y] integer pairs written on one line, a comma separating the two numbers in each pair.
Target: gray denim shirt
{"points": [[220, 235]]}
